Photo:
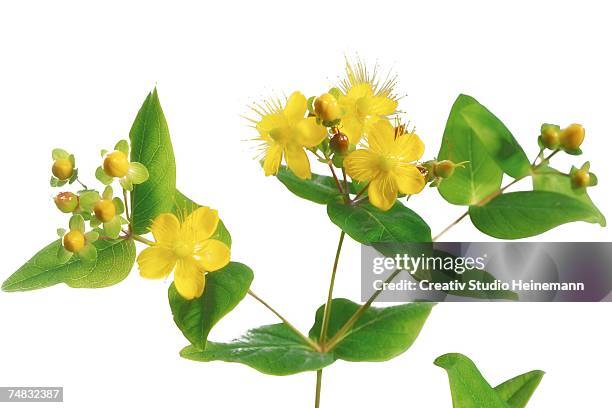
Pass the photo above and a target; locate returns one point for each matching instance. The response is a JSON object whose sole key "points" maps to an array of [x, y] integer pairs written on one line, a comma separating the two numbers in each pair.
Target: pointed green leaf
{"points": [[318, 189], [151, 146], [369, 225], [548, 179], [481, 176], [224, 289], [378, 335], [497, 140], [273, 349], [518, 390], [114, 262], [469, 389], [527, 213]]}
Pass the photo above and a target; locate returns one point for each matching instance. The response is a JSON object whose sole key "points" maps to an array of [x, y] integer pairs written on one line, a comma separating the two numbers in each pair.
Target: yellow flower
{"points": [[286, 132], [387, 164], [364, 100], [186, 249]]}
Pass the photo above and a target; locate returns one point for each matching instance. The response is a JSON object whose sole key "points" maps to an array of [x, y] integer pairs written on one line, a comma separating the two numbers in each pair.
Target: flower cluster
{"points": [[102, 211], [350, 127]]}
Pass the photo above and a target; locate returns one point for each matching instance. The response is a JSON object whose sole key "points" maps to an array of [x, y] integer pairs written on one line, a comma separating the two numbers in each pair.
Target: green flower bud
{"points": [[66, 202], [549, 136]]}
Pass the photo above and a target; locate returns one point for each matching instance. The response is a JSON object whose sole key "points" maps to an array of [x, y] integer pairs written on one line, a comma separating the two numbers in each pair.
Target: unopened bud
{"points": [[105, 210], [572, 136], [327, 108], [74, 241], [581, 178], [116, 164], [66, 202], [62, 169], [339, 143], [550, 136]]}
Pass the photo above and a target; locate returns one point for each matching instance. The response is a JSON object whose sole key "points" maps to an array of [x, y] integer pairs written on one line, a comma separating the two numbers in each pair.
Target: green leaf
{"points": [[378, 335], [527, 213], [369, 225], [114, 262], [183, 206], [319, 189], [497, 140], [469, 389], [224, 289], [273, 349], [518, 390], [481, 176], [151, 146], [548, 179]]}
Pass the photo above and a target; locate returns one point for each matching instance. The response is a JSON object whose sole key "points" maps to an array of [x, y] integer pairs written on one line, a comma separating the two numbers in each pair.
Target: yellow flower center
{"points": [[62, 169], [105, 210], [74, 241], [385, 163], [116, 164], [281, 135], [182, 249]]}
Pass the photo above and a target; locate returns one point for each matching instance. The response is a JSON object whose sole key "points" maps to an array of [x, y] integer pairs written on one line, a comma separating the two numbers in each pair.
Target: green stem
{"points": [[318, 388], [491, 196], [140, 239], [81, 183], [127, 210], [333, 172], [306, 339], [348, 325], [330, 292]]}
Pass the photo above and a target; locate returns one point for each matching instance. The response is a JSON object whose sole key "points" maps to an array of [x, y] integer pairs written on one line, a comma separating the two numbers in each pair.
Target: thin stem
{"points": [[348, 325], [306, 339], [330, 292], [498, 192], [140, 239], [346, 186], [127, 210], [82, 184], [333, 172], [363, 190], [318, 388]]}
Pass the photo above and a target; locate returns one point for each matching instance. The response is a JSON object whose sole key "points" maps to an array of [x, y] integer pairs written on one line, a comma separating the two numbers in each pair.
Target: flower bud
{"points": [[105, 210], [581, 178], [74, 241], [444, 168], [339, 143], [572, 136], [327, 108], [62, 169], [66, 202], [550, 136], [116, 164]]}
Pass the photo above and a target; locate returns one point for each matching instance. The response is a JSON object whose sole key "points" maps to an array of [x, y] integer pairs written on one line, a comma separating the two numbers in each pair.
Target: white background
{"points": [[74, 75]]}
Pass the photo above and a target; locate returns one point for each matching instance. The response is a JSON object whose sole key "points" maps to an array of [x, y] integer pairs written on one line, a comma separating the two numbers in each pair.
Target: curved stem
{"points": [[330, 292], [306, 339], [494, 194], [348, 325], [81, 183], [333, 172]]}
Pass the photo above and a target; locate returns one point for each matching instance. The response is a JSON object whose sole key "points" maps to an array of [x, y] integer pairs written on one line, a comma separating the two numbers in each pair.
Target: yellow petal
{"points": [[382, 192], [308, 133], [361, 165], [156, 262], [213, 255], [353, 128], [165, 228], [381, 136], [297, 160], [409, 147], [409, 179], [272, 160], [270, 122], [200, 225], [189, 280], [296, 107], [379, 105]]}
